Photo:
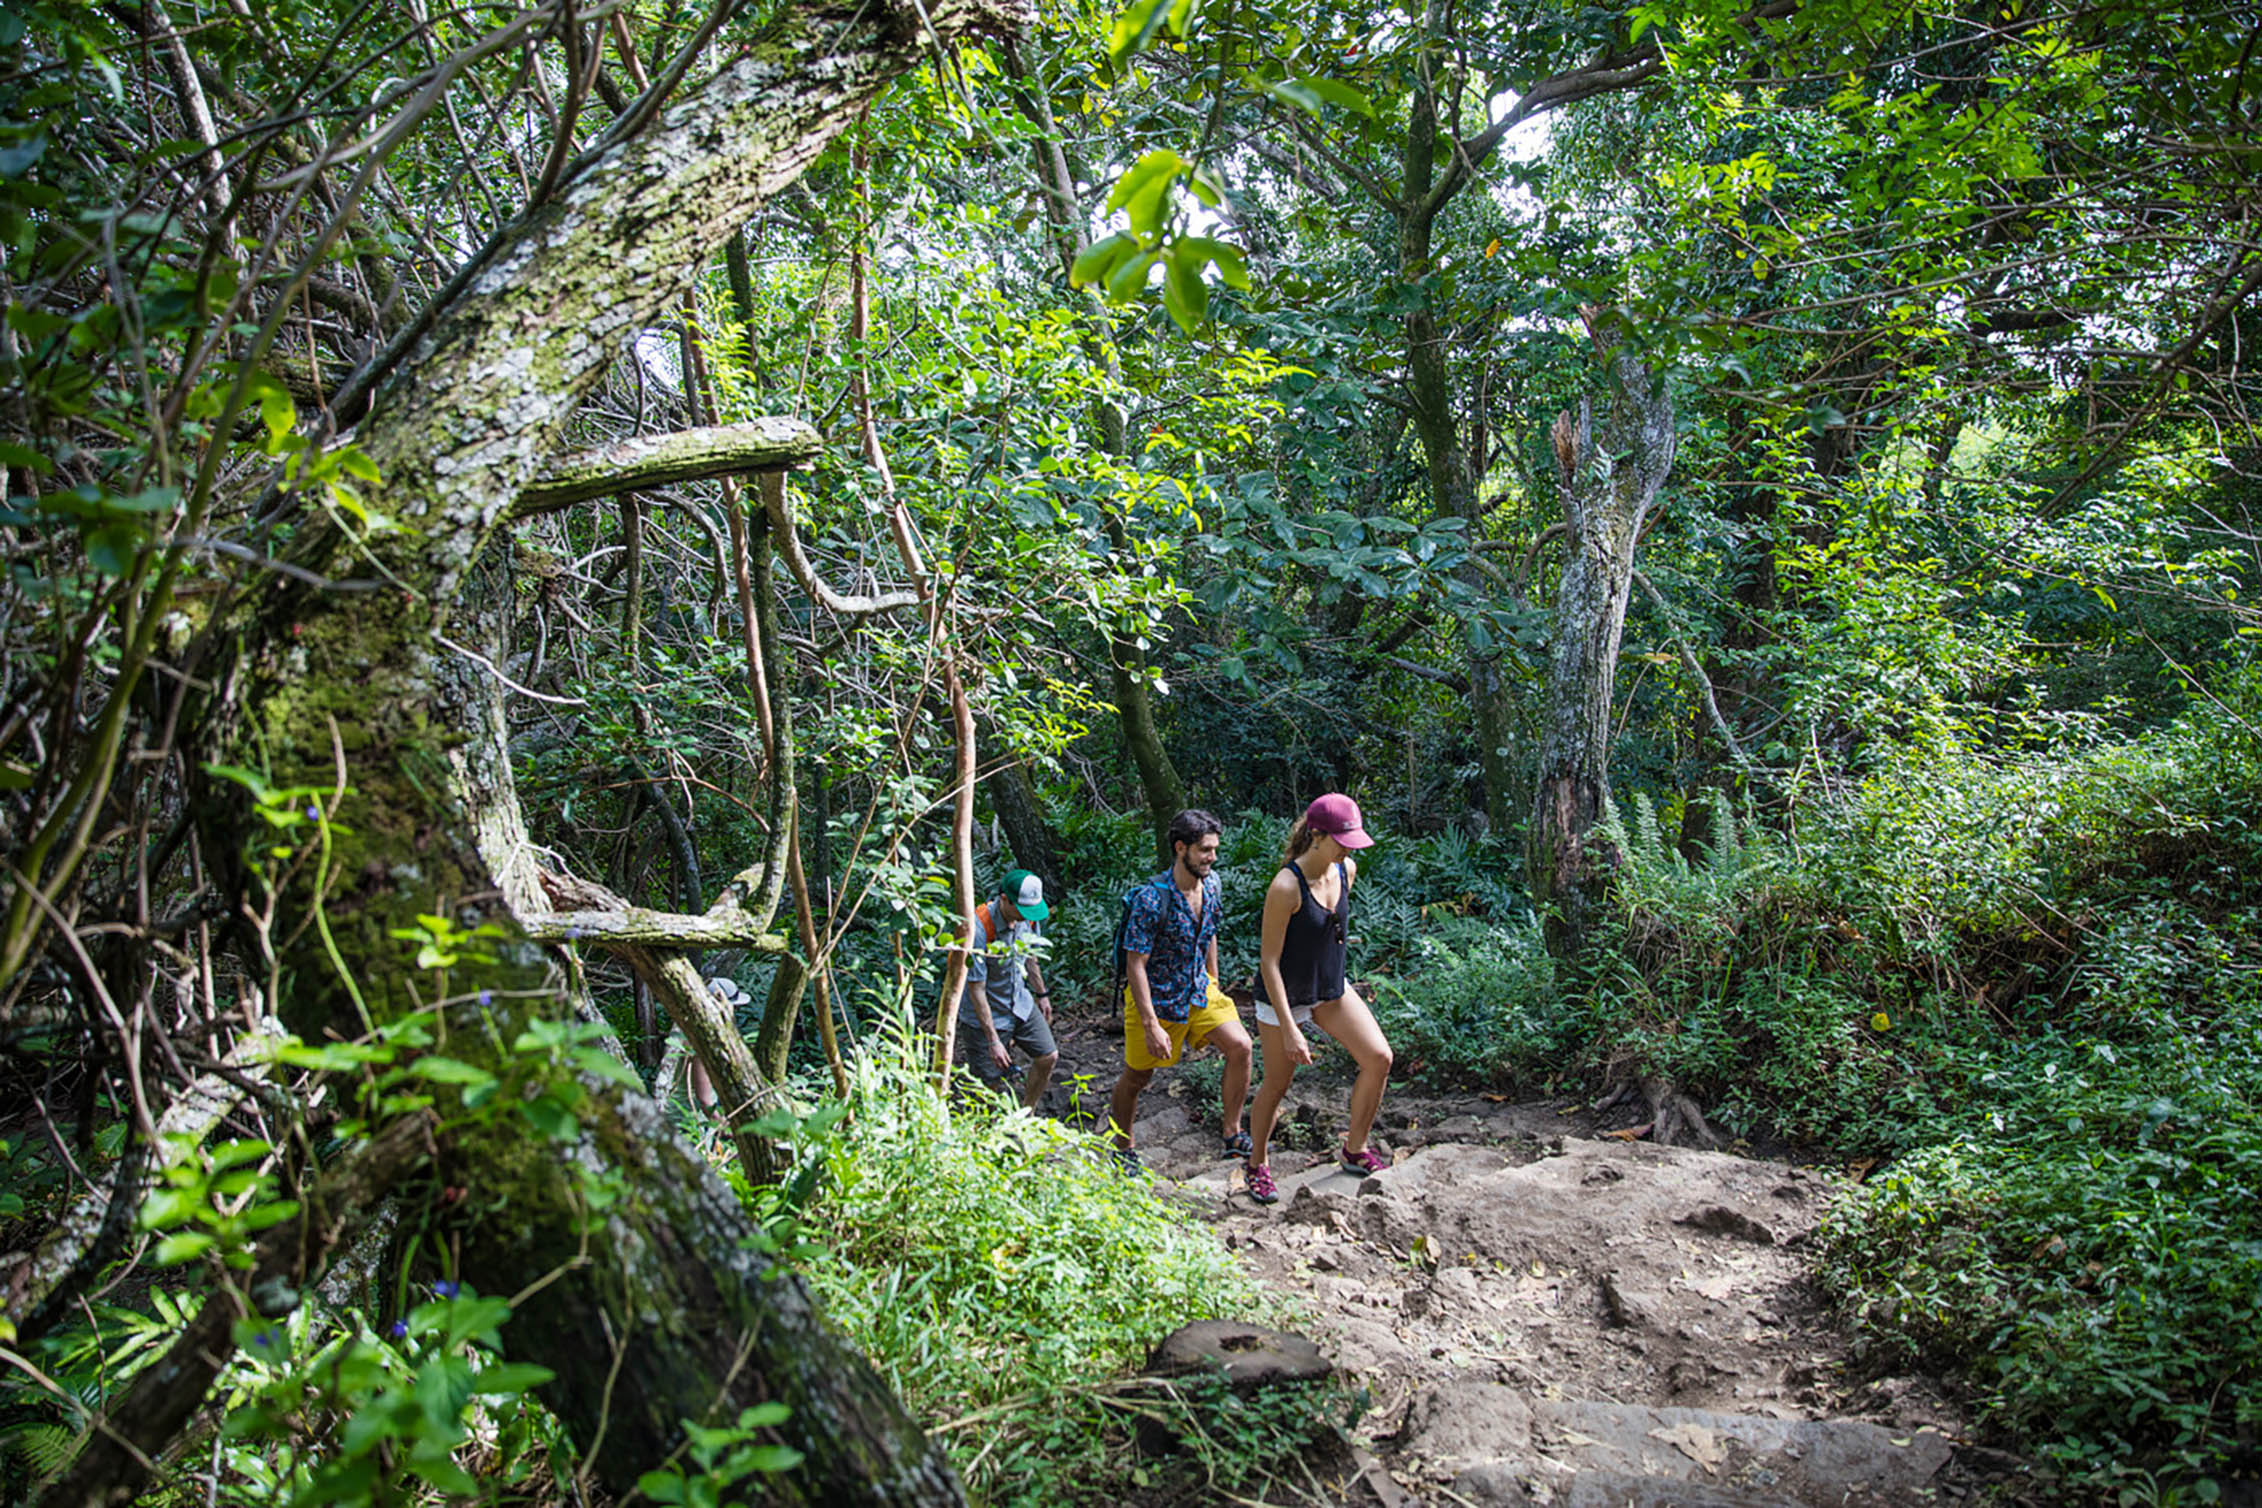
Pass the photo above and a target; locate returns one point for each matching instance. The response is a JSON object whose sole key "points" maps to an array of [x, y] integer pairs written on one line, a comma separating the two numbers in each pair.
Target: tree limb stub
{"points": [[639, 928], [796, 561], [601, 917], [690, 455]]}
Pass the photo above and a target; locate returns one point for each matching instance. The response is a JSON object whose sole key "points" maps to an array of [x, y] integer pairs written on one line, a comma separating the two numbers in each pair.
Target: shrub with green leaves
{"points": [[2039, 980], [1006, 1279], [2106, 1300], [1475, 1005]]}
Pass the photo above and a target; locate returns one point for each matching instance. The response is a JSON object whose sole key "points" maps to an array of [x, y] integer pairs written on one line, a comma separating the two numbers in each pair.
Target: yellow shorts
{"points": [[1192, 1032]]}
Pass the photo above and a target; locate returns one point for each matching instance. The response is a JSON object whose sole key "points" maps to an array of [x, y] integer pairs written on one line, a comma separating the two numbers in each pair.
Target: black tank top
{"points": [[1311, 954]]}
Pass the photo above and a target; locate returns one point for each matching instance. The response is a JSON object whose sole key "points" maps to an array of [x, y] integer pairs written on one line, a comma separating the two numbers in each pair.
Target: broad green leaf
{"points": [[170, 1207], [1184, 293], [230, 1153], [661, 1486], [1135, 28], [1230, 264], [1160, 164], [1125, 282], [443, 1070], [551, 1118], [181, 1246], [513, 1377]]}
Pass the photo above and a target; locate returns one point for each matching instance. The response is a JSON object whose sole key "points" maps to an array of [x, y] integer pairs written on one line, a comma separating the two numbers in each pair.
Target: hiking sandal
{"points": [[1260, 1184], [1362, 1162], [1126, 1162], [1237, 1145]]}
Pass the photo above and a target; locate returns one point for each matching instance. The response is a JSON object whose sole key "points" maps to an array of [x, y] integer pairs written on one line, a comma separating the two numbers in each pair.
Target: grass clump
{"points": [[1007, 1280]]}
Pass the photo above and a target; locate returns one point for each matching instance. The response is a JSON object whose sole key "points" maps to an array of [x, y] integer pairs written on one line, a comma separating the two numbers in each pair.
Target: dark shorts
{"points": [[1033, 1037]]}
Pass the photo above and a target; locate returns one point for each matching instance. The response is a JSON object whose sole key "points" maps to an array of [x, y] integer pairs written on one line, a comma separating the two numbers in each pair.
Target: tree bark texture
{"points": [[648, 461], [387, 703], [1610, 480], [1014, 796], [1429, 391]]}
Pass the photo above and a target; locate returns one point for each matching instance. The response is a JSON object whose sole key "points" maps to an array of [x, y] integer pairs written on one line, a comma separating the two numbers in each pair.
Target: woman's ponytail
{"points": [[1299, 839]]}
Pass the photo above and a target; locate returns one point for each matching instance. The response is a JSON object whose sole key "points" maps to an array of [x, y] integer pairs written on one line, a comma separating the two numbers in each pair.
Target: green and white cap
{"points": [[1027, 893]]}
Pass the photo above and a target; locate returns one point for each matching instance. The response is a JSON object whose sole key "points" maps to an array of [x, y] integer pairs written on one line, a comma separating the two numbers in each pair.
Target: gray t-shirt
{"points": [[1001, 965]]}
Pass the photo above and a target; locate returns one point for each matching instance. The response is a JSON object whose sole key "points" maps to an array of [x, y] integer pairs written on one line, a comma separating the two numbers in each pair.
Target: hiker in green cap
{"points": [[1006, 1003]]}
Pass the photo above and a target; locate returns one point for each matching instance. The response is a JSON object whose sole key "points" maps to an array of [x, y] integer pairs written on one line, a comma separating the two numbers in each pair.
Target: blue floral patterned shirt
{"points": [[1161, 925]]}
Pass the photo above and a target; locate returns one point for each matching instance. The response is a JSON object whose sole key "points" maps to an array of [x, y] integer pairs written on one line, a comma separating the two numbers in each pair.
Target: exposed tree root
{"points": [[1677, 1119]]}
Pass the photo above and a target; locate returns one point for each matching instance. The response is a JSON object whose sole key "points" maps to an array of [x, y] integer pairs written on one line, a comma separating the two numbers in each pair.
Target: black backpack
{"points": [[1122, 921]]}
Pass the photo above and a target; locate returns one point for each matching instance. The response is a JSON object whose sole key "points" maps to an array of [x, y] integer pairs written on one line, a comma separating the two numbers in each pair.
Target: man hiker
{"points": [[1006, 1004], [1171, 1001]]}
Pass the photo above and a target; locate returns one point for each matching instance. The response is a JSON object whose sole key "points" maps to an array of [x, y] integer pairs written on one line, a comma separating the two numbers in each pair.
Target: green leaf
{"points": [[444, 1070], [1161, 164], [170, 1207], [1184, 293], [111, 548], [1135, 28], [661, 1486], [772, 1458], [24, 456], [443, 1387], [503, 1378], [231, 1153], [21, 158], [1125, 282], [183, 1245], [1230, 264], [603, 1064], [443, 1473], [260, 1216], [1337, 93], [551, 1118]]}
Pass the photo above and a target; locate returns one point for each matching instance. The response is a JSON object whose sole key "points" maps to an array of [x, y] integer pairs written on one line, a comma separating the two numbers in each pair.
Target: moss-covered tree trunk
{"points": [[652, 1309], [1453, 479], [1610, 481]]}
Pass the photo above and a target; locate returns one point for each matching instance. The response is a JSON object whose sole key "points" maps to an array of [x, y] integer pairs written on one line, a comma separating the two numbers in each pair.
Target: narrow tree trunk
{"points": [[1159, 781], [1034, 849], [962, 872], [1453, 485], [1610, 481]]}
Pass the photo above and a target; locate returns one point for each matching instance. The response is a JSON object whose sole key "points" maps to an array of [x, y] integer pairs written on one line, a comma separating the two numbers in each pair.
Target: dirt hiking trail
{"points": [[1546, 1314]]}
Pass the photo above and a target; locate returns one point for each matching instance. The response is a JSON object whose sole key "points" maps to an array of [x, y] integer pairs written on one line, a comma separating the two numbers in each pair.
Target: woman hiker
{"points": [[1300, 972]]}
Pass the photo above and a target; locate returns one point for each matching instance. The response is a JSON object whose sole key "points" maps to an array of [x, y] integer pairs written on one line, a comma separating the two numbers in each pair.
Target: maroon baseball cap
{"points": [[1337, 815]]}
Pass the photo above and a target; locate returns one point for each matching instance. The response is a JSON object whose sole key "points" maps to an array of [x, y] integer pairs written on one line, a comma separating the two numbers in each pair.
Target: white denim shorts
{"points": [[1271, 1017]]}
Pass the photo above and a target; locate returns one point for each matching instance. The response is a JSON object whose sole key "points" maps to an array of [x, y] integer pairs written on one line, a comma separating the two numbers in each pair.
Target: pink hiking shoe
{"points": [[1361, 1162]]}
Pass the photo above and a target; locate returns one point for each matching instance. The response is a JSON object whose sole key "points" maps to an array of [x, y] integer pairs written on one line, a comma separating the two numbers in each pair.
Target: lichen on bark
{"points": [[1610, 480]]}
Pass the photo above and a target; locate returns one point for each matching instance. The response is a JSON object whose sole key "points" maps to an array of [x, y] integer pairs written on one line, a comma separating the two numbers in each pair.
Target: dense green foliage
{"points": [[1008, 1279], [1190, 374]]}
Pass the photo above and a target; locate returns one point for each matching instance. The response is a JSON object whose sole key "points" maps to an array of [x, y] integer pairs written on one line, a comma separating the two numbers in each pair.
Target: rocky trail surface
{"points": [[1545, 1313]]}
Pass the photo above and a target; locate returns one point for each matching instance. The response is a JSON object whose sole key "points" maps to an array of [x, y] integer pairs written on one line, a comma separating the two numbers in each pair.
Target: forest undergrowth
{"points": [[2024, 995], [2021, 994]]}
